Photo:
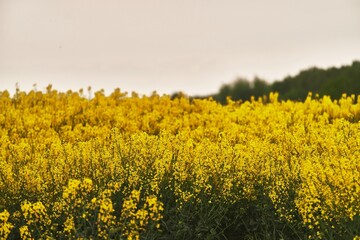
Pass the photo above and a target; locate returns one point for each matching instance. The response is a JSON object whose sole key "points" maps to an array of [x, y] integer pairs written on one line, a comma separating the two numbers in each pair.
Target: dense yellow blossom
{"points": [[110, 166], [5, 226]]}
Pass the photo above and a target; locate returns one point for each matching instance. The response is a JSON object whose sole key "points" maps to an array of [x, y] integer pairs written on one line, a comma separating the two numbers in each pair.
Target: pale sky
{"points": [[170, 45]]}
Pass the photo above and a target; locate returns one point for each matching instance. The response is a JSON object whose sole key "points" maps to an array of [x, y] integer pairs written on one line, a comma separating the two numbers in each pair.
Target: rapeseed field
{"points": [[151, 167]]}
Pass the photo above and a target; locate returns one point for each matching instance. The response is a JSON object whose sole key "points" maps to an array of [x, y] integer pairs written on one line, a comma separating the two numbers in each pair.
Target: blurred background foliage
{"points": [[332, 82]]}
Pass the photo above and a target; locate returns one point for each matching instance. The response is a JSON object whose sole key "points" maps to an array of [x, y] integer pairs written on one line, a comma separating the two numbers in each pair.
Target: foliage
{"points": [[331, 82]]}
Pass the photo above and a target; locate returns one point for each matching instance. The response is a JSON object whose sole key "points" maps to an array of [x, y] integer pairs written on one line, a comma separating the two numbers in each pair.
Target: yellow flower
{"points": [[5, 226]]}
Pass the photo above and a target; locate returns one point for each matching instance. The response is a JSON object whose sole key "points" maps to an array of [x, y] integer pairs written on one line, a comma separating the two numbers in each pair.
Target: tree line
{"points": [[331, 81]]}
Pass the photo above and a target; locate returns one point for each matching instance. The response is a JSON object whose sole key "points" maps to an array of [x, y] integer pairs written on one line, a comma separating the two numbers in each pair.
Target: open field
{"points": [[130, 167]]}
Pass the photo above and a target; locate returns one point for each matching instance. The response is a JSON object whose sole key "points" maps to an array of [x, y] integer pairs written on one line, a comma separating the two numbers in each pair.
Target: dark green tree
{"points": [[332, 82]]}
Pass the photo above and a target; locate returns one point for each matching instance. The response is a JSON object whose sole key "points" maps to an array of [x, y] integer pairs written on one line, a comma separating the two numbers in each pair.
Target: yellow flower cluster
{"points": [[35, 215], [72, 167], [5, 226], [136, 219]]}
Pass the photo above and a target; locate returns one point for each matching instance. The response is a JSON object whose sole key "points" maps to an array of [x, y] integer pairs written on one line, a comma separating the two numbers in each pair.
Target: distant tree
{"points": [[332, 81], [260, 87], [178, 95], [225, 91], [241, 89]]}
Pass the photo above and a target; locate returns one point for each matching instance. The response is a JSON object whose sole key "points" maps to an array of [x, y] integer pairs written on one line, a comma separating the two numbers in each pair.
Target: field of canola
{"points": [[131, 167]]}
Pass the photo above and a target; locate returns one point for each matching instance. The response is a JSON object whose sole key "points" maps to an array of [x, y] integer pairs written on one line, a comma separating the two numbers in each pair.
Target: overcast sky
{"points": [[170, 45]]}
